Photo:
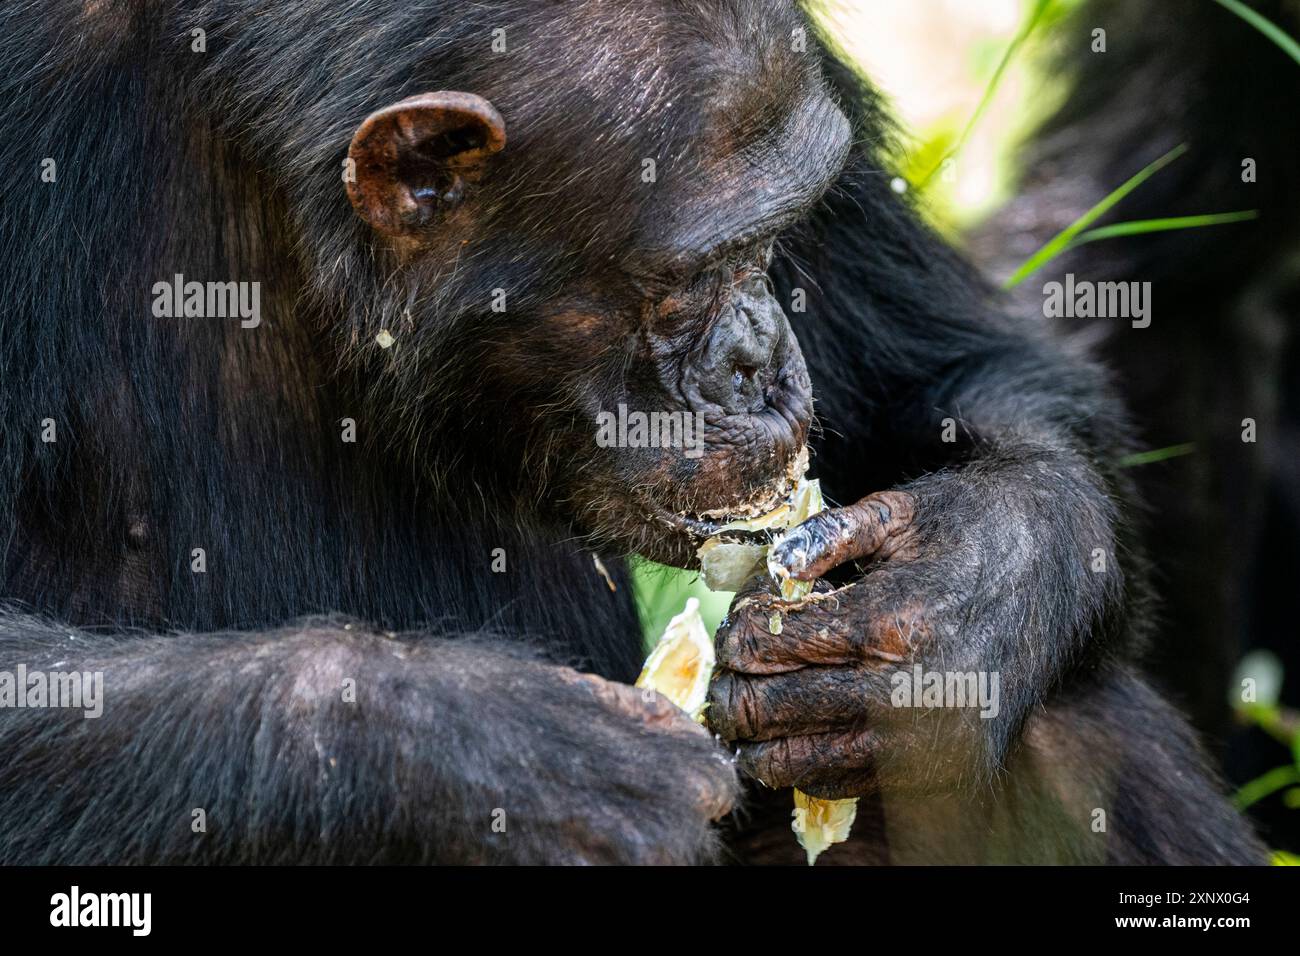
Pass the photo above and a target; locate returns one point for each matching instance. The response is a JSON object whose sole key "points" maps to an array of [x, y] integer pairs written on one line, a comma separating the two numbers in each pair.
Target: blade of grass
{"points": [[991, 88], [1264, 26], [1158, 454], [1282, 724], [1252, 791], [1062, 240], [1141, 226]]}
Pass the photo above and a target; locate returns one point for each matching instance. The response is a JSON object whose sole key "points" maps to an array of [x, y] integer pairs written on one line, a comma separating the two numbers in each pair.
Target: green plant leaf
{"points": [[1265, 26], [1142, 226], [1062, 240], [1158, 454], [1252, 791]]}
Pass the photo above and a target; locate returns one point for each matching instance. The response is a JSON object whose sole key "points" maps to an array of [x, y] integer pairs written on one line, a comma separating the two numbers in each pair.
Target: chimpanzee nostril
{"points": [[746, 393], [743, 355]]}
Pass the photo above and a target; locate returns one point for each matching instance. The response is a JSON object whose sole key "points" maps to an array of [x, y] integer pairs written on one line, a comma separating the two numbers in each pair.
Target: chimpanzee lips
{"points": [[759, 519], [702, 530]]}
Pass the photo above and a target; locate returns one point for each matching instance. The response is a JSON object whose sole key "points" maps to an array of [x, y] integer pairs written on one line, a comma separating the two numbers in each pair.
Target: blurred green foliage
{"points": [[1256, 698], [661, 593]]}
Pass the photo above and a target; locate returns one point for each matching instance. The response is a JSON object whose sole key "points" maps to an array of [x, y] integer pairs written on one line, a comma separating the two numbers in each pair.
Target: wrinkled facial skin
{"points": [[716, 360], [704, 340]]}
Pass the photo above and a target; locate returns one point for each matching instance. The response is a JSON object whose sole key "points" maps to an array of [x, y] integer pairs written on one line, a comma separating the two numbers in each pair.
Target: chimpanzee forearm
{"points": [[325, 743], [1120, 777], [1107, 773], [989, 530], [992, 581], [1030, 490], [997, 532]]}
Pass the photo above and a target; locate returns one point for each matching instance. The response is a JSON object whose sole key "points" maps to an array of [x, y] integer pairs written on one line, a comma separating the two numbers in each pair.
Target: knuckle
{"points": [[894, 507], [717, 787], [719, 713], [736, 642], [770, 763], [827, 626]]}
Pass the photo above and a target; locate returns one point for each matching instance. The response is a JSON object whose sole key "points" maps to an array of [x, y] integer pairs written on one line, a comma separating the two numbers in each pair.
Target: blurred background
{"points": [[1020, 122]]}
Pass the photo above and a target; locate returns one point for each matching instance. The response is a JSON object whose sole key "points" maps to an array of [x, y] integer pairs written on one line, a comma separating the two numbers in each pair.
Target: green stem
{"points": [[1255, 790], [1061, 241], [1039, 9], [1158, 454], [1264, 26], [1143, 226]]}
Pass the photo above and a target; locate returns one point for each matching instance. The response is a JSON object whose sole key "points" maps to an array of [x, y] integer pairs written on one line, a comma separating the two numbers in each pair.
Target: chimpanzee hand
{"points": [[409, 749], [664, 782], [983, 573], [594, 771]]}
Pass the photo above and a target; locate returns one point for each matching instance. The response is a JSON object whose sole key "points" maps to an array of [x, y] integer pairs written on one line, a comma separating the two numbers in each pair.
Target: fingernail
{"points": [[792, 552]]}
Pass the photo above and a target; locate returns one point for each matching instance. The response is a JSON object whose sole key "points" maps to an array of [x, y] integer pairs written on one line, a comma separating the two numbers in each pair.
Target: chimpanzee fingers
{"points": [[802, 702], [758, 587], [762, 587], [876, 622], [831, 766], [879, 525], [770, 636], [653, 710]]}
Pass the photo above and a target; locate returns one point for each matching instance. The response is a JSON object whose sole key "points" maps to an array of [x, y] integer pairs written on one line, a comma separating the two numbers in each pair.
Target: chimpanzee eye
{"points": [[707, 280], [695, 297], [702, 292], [700, 287]]}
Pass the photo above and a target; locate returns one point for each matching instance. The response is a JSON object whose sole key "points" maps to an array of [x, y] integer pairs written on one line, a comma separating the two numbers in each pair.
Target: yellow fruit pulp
{"points": [[680, 665], [819, 824], [682, 662]]}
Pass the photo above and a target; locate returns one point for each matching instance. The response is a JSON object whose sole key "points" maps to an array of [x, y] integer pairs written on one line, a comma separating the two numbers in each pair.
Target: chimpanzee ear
{"points": [[413, 158]]}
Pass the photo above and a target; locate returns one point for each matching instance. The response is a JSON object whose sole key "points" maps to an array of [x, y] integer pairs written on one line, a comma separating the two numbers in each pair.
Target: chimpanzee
{"points": [[334, 543]]}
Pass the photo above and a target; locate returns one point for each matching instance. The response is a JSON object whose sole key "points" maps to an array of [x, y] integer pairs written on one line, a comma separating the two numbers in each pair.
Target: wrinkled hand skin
{"points": [[645, 789], [983, 569], [445, 737]]}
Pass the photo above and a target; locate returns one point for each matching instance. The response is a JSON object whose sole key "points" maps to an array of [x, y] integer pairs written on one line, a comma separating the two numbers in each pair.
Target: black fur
{"points": [[193, 434]]}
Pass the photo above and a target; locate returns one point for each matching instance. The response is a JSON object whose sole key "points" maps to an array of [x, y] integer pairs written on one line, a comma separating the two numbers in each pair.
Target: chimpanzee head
{"points": [[587, 230]]}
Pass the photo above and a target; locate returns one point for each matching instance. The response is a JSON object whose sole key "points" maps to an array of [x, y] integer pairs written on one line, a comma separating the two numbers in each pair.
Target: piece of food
{"points": [[778, 517], [819, 824], [682, 662], [740, 547], [805, 502], [680, 665], [726, 565]]}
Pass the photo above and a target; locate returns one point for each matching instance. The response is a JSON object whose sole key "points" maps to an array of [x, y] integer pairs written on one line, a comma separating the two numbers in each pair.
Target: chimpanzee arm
{"points": [[987, 535], [988, 530], [323, 742]]}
